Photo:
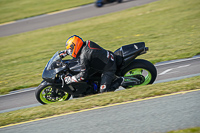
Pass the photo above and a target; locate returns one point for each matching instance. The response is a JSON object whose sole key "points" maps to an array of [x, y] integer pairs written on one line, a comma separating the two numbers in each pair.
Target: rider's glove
{"points": [[69, 79], [63, 53]]}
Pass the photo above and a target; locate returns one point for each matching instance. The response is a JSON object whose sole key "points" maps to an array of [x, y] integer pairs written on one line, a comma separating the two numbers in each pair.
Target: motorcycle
{"points": [[100, 3], [136, 72]]}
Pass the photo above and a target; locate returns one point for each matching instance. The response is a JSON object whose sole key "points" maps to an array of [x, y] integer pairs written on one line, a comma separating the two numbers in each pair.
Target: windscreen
{"points": [[54, 62]]}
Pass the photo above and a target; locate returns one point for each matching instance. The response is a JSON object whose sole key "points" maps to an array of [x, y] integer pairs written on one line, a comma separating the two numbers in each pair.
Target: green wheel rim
{"points": [[139, 71], [43, 96]]}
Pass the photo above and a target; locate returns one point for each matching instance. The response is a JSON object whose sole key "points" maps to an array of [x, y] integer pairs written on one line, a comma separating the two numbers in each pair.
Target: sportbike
{"points": [[136, 72]]}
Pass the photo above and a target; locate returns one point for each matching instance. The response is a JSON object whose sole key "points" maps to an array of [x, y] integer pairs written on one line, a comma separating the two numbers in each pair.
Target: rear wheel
{"points": [[45, 94], [142, 70]]}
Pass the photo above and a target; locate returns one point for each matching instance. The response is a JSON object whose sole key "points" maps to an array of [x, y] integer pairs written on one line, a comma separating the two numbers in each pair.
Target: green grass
{"points": [[188, 130], [170, 29], [11, 10], [99, 100]]}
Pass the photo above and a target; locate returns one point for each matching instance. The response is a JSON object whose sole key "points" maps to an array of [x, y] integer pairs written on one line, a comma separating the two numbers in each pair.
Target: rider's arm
{"points": [[84, 62]]}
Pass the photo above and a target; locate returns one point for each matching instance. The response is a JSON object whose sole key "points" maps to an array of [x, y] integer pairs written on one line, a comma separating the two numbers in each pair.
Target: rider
{"points": [[91, 55]]}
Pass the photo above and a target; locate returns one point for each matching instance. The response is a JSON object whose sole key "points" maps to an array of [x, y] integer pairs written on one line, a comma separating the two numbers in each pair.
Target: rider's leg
{"points": [[106, 80]]}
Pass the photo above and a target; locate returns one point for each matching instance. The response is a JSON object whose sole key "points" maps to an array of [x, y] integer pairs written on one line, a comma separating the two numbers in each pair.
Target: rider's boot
{"points": [[116, 83]]}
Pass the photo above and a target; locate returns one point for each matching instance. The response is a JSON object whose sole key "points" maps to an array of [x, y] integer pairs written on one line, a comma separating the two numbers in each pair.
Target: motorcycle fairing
{"points": [[54, 66], [129, 50], [49, 75], [127, 53]]}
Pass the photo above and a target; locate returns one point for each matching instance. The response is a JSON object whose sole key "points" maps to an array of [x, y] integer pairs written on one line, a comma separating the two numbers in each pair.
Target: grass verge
{"points": [[13, 10], [188, 130], [99, 100], [170, 29]]}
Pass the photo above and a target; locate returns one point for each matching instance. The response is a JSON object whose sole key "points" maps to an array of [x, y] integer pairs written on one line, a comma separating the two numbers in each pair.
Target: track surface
{"points": [[160, 114]]}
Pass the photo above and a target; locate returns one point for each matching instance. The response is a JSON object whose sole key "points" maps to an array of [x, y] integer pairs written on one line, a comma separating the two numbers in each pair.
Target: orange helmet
{"points": [[73, 45]]}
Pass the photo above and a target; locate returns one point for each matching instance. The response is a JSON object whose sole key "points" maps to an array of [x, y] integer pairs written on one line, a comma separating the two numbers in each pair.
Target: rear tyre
{"points": [[44, 94], [143, 70]]}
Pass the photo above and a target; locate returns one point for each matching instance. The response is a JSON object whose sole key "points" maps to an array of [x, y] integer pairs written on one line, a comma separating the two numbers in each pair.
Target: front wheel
{"points": [[140, 69], [45, 94]]}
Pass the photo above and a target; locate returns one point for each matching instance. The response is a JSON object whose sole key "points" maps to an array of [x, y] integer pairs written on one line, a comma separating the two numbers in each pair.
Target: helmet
{"points": [[73, 45]]}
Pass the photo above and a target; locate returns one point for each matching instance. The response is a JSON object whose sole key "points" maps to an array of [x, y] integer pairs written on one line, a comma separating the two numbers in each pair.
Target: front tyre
{"points": [[45, 94], [143, 70]]}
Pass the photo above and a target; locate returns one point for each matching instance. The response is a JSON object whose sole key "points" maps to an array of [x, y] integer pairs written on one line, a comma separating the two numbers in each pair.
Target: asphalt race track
{"points": [[160, 114], [155, 115]]}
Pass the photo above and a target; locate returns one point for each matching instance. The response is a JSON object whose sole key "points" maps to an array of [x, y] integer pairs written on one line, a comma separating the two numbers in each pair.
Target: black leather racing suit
{"points": [[95, 57]]}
